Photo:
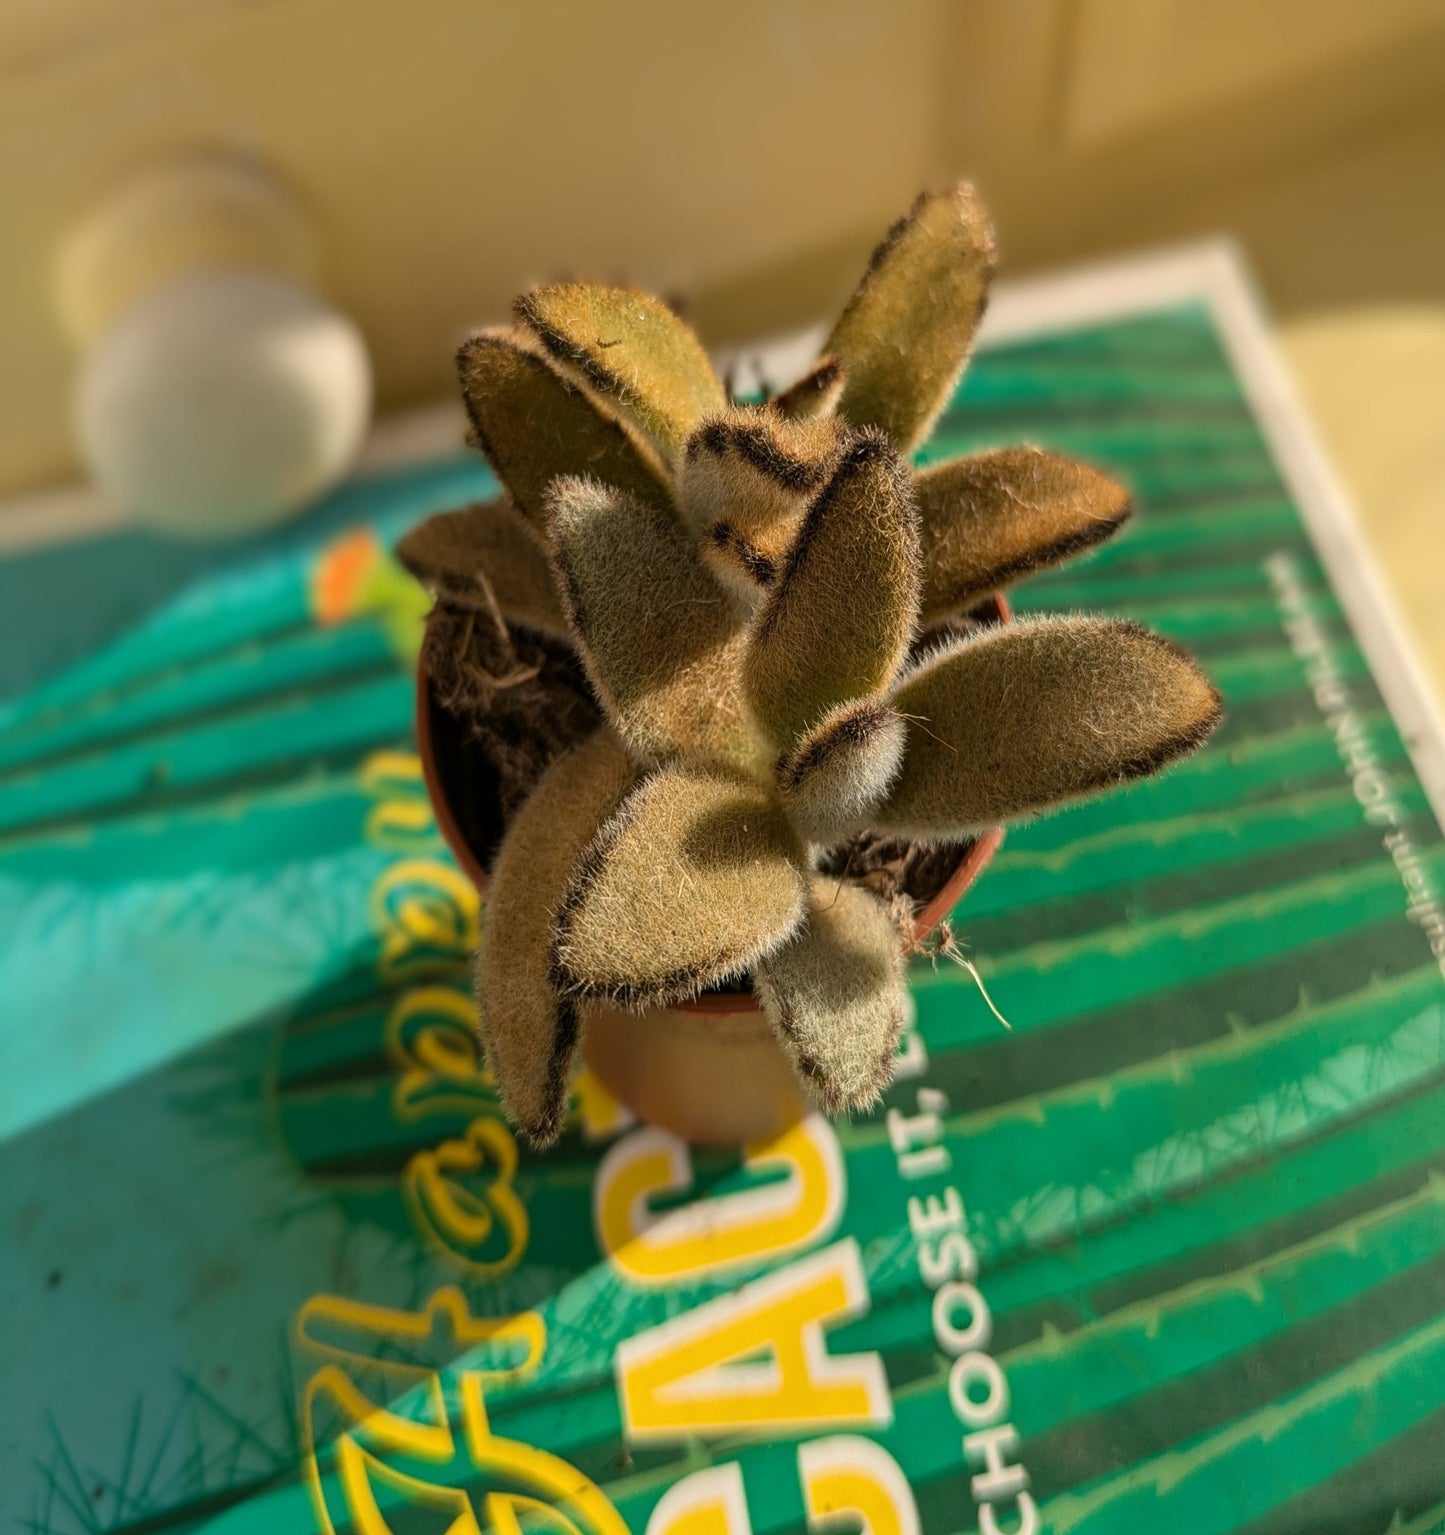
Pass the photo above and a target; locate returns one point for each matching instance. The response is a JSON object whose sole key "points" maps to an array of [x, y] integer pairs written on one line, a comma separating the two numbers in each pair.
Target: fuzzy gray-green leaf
{"points": [[660, 639], [815, 394], [834, 994], [838, 621], [906, 332], [691, 882], [745, 481], [483, 552], [991, 518], [534, 424], [837, 773], [531, 1035], [1032, 715], [632, 350]]}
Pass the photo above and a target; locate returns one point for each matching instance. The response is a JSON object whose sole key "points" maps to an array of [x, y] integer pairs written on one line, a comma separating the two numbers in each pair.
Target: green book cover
{"points": [[1170, 1254]]}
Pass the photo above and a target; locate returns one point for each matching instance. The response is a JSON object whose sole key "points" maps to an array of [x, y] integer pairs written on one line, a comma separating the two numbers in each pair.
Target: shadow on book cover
{"points": [[1168, 1255]]}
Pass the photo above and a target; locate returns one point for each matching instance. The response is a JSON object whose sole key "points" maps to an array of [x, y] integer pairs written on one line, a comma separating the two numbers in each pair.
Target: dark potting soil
{"points": [[892, 868], [507, 702]]}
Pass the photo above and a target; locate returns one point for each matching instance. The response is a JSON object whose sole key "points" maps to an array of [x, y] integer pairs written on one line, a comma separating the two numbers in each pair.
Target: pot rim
{"points": [[710, 1004]]}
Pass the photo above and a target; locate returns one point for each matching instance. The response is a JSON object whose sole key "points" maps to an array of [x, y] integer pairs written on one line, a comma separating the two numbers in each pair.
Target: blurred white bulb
{"points": [[221, 401]]}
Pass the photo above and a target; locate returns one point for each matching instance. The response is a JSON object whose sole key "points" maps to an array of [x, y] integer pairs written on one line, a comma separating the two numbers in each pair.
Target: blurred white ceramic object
{"points": [[217, 391], [222, 401]]}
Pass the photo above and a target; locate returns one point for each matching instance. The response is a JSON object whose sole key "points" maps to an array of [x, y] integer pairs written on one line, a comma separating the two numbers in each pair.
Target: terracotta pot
{"points": [[709, 1070]]}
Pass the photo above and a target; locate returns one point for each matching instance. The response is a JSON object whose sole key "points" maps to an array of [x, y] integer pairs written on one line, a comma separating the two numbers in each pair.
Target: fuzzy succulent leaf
{"points": [[838, 621], [906, 332], [1030, 716], [533, 423], [530, 1034], [487, 552], [632, 350], [693, 880], [745, 481], [660, 639], [990, 518], [834, 994], [840, 769], [816, 393]]}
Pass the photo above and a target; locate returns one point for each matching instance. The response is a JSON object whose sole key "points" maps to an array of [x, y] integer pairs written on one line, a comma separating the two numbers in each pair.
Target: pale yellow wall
{"points": [[1331, 133], [455, 149], [744, 156]]}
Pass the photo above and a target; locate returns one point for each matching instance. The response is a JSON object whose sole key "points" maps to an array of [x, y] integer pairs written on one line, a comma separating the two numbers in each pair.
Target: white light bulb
{"points": [[222, 400]]}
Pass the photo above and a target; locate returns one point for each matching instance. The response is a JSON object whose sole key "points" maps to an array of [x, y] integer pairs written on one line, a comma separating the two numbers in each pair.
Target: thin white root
{"points": [[983, 990], [949, 949]]}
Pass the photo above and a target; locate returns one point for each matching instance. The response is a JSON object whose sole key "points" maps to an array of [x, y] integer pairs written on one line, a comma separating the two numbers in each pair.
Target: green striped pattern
{"points": [[1204, 1172]]}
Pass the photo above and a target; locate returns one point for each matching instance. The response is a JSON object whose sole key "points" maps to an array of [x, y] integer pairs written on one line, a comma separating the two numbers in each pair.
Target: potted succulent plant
{"points": [[718, 700]]}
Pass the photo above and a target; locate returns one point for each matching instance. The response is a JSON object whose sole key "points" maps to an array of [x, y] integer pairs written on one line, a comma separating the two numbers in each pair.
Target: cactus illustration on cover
{"points": [[288, 1245]]}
